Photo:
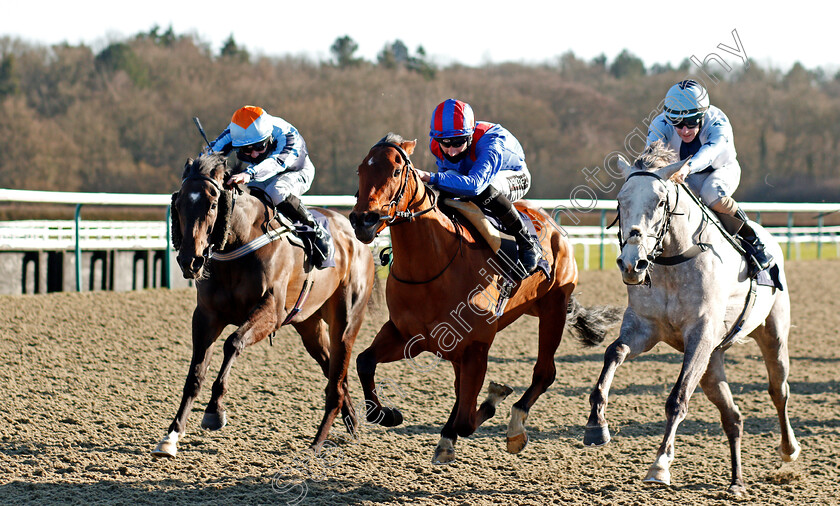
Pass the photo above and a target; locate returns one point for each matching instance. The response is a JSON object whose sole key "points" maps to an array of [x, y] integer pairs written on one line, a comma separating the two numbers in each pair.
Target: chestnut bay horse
{"points": [[443, 297], [265, 288], [698, 299]]}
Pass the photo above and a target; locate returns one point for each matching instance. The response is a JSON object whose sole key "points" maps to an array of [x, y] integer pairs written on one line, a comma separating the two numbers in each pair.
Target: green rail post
{"points": [[819, 236], [601, 246], [789, 233], [78, 250], [167, 262]]}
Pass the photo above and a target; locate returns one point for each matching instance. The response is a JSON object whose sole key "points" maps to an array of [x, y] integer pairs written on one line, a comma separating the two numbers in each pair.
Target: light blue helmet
{"points": [[686, 100]]}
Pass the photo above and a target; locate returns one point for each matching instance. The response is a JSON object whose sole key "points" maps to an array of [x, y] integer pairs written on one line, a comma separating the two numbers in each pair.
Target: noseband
{"points": [[405, 215]]}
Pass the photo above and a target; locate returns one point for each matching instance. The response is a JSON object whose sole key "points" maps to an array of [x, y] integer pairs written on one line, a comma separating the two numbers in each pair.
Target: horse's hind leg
{"points": [[204, 334], [261, 321], [334, 361], [551, 326], [465, 418], [773, 342], [717, 390]]}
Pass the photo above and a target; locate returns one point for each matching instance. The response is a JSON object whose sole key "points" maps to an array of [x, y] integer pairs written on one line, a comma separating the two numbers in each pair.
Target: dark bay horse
{"points": [[697, 300], [260, 291], [443, 292]]}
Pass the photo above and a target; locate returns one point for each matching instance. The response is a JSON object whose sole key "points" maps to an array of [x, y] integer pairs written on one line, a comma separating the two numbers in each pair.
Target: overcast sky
{"points": [[471, 33]]}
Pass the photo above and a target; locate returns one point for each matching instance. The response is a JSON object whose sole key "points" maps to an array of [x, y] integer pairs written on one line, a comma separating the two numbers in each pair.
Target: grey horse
{"points": [[696, 299]]}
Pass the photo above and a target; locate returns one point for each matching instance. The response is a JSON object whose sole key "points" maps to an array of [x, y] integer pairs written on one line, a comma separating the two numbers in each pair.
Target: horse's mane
{"points": [[392, 138], [655, 156], [204, 165]]}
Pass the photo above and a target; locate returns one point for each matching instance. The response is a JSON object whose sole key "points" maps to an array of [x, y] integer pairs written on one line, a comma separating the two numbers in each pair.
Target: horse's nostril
{"points": [[371, 219], [642, 264]]}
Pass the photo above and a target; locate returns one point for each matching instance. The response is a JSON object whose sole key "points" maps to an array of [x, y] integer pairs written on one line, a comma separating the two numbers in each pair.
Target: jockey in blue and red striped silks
{"points": [[484, 163]]}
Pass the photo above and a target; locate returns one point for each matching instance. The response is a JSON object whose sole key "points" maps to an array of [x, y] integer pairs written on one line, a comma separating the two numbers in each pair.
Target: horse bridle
{"points": [[654, 254], [407, 168], [407, 216], [208, 252]]}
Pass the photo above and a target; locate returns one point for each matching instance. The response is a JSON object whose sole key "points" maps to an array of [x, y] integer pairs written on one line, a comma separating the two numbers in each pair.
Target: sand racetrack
{"points": [[90, 382]]}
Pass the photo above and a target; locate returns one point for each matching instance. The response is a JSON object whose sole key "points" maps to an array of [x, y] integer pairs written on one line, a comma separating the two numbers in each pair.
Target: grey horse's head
{"points": [[643, 211]]}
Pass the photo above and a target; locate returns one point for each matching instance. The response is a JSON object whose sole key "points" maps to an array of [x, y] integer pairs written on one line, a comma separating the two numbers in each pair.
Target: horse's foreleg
{"points": [[203, 336], [635, 338], [261, 321], [773, 342], [717, 390], [387, 346], [698, 348]]}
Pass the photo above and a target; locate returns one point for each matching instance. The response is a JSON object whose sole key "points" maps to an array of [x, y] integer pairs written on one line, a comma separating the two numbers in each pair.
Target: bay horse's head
{"points": [[201, 212], [387, 185], [645, 205]]}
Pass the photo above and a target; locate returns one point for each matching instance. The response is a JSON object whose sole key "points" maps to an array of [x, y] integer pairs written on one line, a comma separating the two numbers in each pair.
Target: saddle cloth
{"points": [[306, 233]]}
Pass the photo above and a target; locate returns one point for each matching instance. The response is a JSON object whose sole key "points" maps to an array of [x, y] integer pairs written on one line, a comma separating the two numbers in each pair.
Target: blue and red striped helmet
{"points": [[452, 118]]}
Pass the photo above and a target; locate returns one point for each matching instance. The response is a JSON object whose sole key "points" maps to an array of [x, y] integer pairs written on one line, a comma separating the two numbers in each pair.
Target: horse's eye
{"points": [[661, 203], [213, 206], [397, 172]]}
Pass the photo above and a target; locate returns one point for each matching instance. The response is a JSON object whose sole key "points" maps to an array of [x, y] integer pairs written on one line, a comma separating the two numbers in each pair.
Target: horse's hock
{"points": [[43, 271]]}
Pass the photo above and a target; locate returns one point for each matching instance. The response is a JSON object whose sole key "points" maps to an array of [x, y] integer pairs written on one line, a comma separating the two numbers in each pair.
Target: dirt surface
{"points": [[90, 383]]}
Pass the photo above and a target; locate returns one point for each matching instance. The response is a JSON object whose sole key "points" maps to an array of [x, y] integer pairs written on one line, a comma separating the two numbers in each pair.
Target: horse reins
{"points": [[407, 215]]}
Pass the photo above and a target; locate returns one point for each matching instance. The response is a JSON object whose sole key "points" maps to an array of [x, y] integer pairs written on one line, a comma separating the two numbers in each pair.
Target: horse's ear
{"points": [[175, 224], [408, 146], [187, 167], [625, 167], [669, 170]]}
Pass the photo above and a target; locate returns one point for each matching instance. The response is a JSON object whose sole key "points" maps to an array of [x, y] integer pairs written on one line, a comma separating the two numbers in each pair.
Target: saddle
{"points": [[487, 227]]}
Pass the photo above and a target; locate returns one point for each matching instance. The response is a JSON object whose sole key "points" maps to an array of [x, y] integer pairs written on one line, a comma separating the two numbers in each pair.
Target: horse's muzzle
{"points": [[633, 265], [191, 266], [365, 225]]}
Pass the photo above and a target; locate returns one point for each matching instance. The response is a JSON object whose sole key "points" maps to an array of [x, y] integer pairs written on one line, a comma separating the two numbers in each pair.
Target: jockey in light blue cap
{"points": [[278, 164]]}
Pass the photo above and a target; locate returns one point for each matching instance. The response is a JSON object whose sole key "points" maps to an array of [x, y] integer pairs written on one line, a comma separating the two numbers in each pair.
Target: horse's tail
{"points": [[591, 324]]}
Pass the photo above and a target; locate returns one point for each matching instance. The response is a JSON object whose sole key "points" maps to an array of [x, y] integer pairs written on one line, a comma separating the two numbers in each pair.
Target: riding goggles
{"points": [[689, 122], [257, 146], [452, 142]]}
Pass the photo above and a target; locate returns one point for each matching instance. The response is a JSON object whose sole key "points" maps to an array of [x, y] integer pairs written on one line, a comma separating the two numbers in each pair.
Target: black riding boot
{"points": [[322, 247], [737, 224], [499, 206]]}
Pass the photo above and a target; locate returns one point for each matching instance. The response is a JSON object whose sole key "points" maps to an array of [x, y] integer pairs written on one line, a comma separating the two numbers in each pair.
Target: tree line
{"points": [[120, 120]]}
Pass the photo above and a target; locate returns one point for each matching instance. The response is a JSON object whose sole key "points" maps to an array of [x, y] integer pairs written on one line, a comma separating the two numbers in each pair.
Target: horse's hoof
{"points": [[596, 435], [167, 447], [443, 455], [789, 457], [658, 476], [516, 444], [737, 489], [391, 417], [214, 421]]}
